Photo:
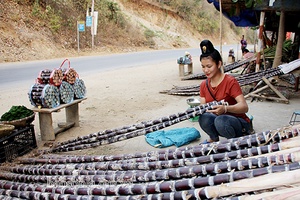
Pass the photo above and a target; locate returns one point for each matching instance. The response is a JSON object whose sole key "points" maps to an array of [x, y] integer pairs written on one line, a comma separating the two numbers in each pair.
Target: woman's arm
{"points": [[202, 100], [240, 107]]}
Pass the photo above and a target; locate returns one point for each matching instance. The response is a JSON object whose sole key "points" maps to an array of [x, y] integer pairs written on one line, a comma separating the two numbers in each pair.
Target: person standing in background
{"points": [[243, 44]]}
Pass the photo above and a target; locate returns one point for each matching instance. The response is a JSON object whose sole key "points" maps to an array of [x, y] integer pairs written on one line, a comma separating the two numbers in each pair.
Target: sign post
{"points": [[80, 28], [93, 23]]}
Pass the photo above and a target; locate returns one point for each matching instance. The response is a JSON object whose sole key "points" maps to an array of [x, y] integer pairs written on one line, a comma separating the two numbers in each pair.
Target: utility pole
{"points": [[221, 15], [93, 23]]}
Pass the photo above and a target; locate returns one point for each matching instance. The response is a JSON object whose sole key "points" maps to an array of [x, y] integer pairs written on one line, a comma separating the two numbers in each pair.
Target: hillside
{"points": [[144, 25]]}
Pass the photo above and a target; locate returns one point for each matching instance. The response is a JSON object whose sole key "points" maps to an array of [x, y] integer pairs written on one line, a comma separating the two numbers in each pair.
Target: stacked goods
{"points": [[57, 86], [256, 166], [79, 88], [53, 77], [75, 87], [70, 74], [44, 76], [66, 92], [45, 96]]}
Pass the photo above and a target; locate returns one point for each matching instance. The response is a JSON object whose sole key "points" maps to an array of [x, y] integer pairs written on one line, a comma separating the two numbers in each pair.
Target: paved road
{"points": [[26, 72]]}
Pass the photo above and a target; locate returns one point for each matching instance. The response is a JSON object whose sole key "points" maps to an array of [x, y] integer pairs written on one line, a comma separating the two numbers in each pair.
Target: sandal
{"points": [[205, 142]]}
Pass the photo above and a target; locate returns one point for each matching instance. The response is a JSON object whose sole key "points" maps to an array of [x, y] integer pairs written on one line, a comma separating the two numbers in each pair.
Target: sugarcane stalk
{"points": [[152, 165], [83, 144], [191, 169], [198, 153], [163, 186], [36, 195], [267, 181], [160, 189], [218, 148], [146, 126]]}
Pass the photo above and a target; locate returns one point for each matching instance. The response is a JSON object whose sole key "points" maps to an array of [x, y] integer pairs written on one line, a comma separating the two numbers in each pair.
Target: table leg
{"points": [[46, 128], [181, 69], [72, 114], [190, 68]]}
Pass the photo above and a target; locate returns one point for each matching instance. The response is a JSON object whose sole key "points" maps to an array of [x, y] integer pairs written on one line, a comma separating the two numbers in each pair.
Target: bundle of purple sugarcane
{"points": [[79, 88], [114, 135], [257, 166], [44, 95], [57, 86], [245, 79], [227, 68], [66, 92], [70, 74]]}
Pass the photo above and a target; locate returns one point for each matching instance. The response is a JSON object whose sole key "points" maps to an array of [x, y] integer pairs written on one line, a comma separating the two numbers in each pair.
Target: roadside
{"points": [[129, 96]]}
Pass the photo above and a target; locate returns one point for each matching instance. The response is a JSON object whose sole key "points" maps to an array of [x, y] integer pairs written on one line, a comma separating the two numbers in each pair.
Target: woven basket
{"points": [[20, 122], [6, 129]]}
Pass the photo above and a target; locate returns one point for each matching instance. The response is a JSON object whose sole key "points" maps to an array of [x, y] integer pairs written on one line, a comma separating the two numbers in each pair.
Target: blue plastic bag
{"points": [[177, 137]]}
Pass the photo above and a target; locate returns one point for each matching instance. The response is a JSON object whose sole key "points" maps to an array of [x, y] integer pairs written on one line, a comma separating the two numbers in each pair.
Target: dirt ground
{"points": [[129, 96]]}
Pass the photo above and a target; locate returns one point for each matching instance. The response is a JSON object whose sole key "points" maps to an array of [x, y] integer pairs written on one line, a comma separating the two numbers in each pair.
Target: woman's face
{"points": [[209, 67]]}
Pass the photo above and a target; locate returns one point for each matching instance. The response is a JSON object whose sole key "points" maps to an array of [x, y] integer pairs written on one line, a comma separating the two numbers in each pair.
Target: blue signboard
{"points": [[81, 27], [89, 21]]}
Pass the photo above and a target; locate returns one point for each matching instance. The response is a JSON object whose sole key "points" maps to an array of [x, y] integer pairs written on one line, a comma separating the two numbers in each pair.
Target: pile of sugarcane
{"points": [[227, 68], [53, 87], [245, 79], [250, 166], [257, 166]]}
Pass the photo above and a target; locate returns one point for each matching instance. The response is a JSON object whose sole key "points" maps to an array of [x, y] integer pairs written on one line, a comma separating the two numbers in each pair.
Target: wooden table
{"points": [[45, 119]]}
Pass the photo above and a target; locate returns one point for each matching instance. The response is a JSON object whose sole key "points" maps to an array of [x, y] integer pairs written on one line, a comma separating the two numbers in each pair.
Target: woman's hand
{"points": [[218, 109]]}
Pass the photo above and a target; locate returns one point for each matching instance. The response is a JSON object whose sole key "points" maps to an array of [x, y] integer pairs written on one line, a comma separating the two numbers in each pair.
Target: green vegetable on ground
{"points": [[16, 112]]}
